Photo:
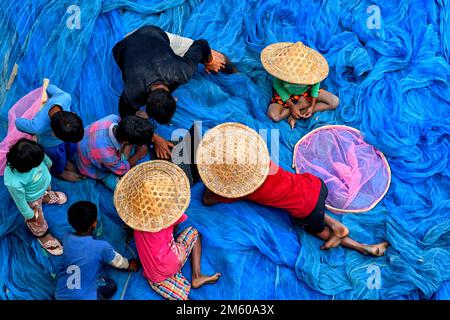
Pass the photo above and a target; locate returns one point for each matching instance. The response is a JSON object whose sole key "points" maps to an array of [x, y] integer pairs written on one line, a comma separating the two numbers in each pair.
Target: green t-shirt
{"points": [[286, 89], [28, 186]]}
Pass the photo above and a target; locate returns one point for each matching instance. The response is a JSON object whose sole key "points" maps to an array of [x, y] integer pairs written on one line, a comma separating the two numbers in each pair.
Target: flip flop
{"points": [[56, 197], [53, 247]]}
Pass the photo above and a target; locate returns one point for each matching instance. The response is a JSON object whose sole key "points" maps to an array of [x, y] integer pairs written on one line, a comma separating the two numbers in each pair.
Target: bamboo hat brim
{"points": [[233, 160], [152, 196], [294, 63]]}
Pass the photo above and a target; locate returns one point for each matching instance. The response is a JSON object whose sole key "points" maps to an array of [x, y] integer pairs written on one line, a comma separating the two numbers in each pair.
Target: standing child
{"points": [[151, 198], [83, 257], [28, 178], [249, 174], [58, 130], [298, 71]]}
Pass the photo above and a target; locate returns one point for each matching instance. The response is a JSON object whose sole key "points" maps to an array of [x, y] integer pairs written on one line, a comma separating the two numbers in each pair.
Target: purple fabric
{"points": [[26, 108], [357, 175]]}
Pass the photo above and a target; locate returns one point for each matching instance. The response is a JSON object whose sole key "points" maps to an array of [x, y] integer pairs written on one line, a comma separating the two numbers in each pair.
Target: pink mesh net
{"points": [[357, 175], [26, 107]]}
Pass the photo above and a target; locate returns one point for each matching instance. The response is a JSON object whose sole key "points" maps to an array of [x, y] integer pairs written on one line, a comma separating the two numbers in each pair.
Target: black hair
{"points": [[160, 105], [134, 130], [25, 155], [67, 126], [82, 215]]}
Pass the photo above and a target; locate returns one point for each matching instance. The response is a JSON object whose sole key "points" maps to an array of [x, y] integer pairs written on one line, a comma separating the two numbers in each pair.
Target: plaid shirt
{"points": [[99, 152]]}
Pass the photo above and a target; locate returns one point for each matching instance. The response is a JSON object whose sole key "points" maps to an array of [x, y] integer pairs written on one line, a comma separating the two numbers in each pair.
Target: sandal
{"points": [[52, 246], [55, 197]]}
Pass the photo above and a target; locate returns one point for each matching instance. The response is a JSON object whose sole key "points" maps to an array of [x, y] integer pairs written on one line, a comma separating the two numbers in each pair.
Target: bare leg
{"points": [[339, 232], [71, 176], [326, 101], [376, 250], [198, 279], [276, 112]]}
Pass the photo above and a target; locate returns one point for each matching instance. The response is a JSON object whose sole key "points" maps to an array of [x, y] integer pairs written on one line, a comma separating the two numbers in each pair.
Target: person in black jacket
{"points": [[152, 70]]}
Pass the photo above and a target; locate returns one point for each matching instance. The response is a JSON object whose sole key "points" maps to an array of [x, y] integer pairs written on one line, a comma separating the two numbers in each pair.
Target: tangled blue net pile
{"points": [[393, 85]]}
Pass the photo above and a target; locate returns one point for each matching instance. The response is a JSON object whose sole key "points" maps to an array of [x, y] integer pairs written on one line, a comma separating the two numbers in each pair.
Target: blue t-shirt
{"points": [[82, 260], [40, 124]]}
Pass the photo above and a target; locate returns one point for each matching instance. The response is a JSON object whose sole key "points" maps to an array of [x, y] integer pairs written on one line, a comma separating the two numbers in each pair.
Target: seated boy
{"points": [[155, 217], [111, 146], [83, 256], [57, 130], [301, 195]]}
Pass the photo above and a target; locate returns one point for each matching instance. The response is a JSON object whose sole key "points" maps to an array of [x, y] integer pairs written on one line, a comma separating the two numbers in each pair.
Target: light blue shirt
{"points": [[40, 124], [28, 186]]}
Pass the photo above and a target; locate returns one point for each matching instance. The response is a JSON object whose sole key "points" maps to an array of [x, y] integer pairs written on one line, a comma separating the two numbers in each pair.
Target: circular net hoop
{"points": [[152, 196], [356, 173]]}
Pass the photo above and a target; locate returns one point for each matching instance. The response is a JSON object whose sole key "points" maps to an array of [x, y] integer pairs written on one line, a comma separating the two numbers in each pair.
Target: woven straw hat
{"points": [[233, 160], [152, 196], [294, 63]]}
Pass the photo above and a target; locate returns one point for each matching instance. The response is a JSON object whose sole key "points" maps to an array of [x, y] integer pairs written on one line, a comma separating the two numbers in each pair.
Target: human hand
{"points": [[133, 265], [126, 150], [307, 113], [295, 109], [162, 147], [216, 63]]}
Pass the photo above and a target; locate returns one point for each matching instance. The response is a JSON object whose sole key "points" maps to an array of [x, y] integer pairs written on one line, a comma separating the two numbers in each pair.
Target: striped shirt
{"points": [[99, 152]]}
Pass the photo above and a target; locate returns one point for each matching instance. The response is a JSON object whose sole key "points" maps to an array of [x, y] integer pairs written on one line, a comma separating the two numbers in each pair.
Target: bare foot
{"points": [[292, 122], [72, 176], [202, 279], [376, 250], [339, 233]]}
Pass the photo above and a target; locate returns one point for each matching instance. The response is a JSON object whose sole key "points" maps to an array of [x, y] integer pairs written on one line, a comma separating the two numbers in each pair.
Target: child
{"points": [[298, 71], [105, 152], [83, 256], [301, 195], [58, 130], [155, 217], [27, 178]]}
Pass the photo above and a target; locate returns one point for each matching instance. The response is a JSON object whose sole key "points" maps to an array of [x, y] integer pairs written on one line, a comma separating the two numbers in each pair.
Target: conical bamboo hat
{"points": [[233, 160], [152, 196], [294, 63]]}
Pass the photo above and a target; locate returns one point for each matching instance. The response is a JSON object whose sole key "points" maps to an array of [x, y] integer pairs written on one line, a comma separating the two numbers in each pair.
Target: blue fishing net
{"points": [[392, 81]]}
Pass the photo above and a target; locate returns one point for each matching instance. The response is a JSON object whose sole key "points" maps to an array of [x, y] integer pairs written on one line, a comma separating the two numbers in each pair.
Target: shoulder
{"points": [[11, 178]]}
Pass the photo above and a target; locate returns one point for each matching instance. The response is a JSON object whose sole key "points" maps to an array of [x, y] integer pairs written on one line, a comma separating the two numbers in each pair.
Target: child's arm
{"points": [[118, 261], [32, 126], [18, 195], [314, 94], [279, 88], [63, 97], [119, 166]]}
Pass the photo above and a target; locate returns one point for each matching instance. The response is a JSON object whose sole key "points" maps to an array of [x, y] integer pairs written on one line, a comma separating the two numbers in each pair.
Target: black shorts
{"points": [[314, 223]]}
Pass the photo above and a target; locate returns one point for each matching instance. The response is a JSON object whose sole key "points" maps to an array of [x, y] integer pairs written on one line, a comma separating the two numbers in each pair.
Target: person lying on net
{"points": [[262, 181]]}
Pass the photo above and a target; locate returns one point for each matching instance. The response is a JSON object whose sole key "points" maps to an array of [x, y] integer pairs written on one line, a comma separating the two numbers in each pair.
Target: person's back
{"points": [[296, 193], [83, 258], [82, 261], [146, 60], [145, 57]]}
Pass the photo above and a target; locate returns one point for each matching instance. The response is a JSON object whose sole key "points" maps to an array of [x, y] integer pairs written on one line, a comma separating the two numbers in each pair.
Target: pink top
{"points": [[158, 253]]}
